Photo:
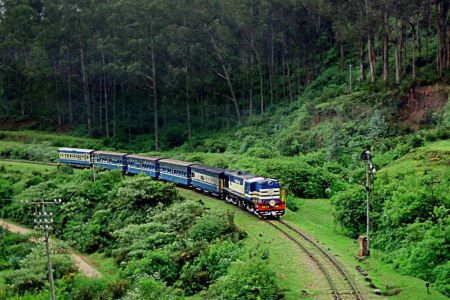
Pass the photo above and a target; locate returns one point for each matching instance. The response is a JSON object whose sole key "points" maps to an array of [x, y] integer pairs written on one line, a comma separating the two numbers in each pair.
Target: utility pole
{"points": [[370, 171], [44, 220]]}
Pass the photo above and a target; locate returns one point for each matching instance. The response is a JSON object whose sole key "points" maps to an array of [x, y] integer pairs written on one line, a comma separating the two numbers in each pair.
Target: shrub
{"points": [[350, 210], [246, 281], [213, 225], [149, 288], [212, 263], [291, 203]]}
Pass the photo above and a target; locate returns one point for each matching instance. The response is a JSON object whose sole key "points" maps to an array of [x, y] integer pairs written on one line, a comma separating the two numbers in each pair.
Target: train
{"points": [[258, 195]]}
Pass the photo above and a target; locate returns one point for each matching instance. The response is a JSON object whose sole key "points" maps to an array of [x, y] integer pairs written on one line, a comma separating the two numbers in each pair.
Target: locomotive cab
{"points": [[267, 196]]}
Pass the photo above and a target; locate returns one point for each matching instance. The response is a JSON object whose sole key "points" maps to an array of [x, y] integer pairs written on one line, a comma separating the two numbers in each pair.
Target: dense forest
{"points": [[117, 69]]}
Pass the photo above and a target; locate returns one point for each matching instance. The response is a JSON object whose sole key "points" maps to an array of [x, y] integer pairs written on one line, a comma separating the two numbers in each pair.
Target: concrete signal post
{"points": [[370, 172]]}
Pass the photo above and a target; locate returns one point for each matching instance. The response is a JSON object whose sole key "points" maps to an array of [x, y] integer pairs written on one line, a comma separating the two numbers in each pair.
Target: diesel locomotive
{"points": [[259, 195]]}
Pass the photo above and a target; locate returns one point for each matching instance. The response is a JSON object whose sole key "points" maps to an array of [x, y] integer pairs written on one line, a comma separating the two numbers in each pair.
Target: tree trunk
{"points": [[155, 100], [369, 47], [288, 70], [272, 58], [385, 47], [404, 47], [414, 52], [227, 117], [371, 59], [427, 25], [341, 60], [100, 103], [69, 88], [251, 100], [419, 38], [85, 90], [58, 105], [261, 84], [226, 77], [233, 96], [188, 108], [398, 59], [283, 78], [438, 37], [448, 46], [362, 72], [105, 90], [114, 108]]}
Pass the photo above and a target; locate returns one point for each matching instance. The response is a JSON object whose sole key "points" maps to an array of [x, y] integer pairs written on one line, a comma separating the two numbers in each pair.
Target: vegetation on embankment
{"points": [[162, 245]]}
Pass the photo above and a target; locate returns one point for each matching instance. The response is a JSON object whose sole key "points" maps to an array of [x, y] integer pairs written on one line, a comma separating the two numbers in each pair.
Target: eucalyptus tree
{"points": [[144, 22]]}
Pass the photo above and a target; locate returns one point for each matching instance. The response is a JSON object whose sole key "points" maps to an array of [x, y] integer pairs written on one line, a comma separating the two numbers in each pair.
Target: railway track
{"points": [[341, 285], [30, 162]]}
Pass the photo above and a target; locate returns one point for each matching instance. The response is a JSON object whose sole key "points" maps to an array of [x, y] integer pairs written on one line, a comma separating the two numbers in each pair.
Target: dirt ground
{"points": [[80, 262]]}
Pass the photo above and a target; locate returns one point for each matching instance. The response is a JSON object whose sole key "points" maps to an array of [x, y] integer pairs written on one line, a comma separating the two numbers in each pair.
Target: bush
{"points": [[246, 281], [350, 210], [149, 288], [291, 203], [97, 289], [212, 263], [213, 225]]}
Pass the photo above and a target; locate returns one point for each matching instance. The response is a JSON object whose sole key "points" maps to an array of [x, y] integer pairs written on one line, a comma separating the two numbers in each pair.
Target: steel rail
{"points": [[313, 258], [328, 256]]}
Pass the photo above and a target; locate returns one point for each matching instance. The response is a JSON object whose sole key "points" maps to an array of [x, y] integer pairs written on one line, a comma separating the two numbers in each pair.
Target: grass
{"points": [[315, 218], [57, 140], [25, 167], [443, 145], [433, 155], [286, 259], [103, 264]]}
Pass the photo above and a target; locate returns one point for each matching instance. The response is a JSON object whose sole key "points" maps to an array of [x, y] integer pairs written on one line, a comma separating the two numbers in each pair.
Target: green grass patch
{"points": [[433, 155], [315, 218], [284, 256], [103, 264], [57, 140]]}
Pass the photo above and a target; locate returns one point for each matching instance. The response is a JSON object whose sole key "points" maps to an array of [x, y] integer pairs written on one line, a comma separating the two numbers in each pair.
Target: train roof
{"points": [[255, 179], [67, 149], [110, 153], [176, 162], [241, 174], [208, 168], [153, 158]]}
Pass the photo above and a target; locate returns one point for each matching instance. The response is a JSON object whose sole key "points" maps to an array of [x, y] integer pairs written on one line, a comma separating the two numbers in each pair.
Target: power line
{"points": [[44, 220]]}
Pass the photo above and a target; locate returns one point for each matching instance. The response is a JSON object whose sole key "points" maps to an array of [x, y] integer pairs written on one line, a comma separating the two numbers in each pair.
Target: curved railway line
{"points": [[342, 286], [30, 162]]}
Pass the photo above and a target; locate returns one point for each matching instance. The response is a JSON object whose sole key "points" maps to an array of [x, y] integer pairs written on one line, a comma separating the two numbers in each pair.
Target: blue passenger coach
{"points": [[207, 178], [137, 164], [175, 171], [110, 160], [75, 157]]}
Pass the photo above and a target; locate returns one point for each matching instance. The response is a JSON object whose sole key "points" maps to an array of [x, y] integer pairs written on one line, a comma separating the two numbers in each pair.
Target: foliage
{"points": [[247, 280], [29, 271], [150, 288], [350, 210], [212, 263], [212, 225], [143, 224]]}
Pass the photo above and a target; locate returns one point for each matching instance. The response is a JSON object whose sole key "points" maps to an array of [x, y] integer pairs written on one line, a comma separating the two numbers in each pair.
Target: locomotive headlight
{"points": [[272, 203]]}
